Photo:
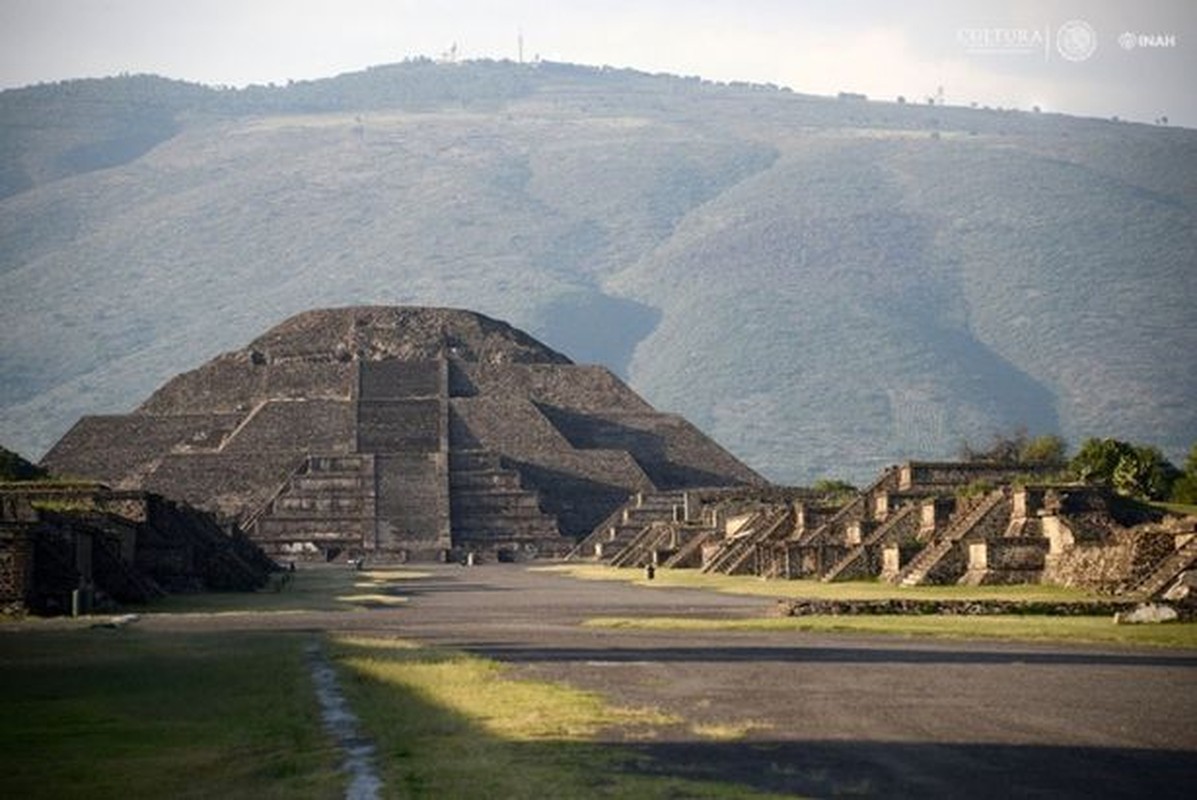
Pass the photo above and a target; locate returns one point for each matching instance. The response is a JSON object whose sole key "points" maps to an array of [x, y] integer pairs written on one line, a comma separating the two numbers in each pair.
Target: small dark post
{"points": [[650, 572]]}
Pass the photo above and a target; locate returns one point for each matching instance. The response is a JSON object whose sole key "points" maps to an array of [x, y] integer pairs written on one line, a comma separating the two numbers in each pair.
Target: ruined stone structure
{"points": [[67, 547], [394, 433], [918, 523]]}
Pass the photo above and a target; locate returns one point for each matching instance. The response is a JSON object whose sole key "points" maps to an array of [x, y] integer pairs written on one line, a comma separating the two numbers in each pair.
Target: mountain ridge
{"points": [[825, 286]]}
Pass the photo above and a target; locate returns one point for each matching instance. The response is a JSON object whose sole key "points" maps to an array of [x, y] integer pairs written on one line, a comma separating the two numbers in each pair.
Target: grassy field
{"points": [[1089, 630], [817, 590], [1077, 629], [95, 713]]}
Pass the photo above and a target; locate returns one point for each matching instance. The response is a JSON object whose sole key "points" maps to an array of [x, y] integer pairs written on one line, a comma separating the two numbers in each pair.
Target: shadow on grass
{"points": [[429, 748], [123, 714]]}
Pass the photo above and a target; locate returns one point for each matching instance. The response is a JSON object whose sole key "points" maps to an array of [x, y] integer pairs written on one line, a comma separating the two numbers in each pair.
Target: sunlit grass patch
{"points": [[730, 731], [373, 600], [1097, 630], [479, 689], [454, 725], [379, 575], [818, 590]]}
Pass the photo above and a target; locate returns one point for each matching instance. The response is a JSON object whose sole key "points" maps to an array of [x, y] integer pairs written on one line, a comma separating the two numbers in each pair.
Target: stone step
{"points": [[485, 479]]}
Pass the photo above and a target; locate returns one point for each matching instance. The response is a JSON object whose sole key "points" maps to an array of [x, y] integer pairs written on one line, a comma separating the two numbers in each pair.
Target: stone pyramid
{"points": [[398, 432]]}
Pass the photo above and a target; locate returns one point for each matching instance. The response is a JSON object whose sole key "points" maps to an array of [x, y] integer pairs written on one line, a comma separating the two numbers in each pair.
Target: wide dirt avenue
{"points": [[815, 714]]}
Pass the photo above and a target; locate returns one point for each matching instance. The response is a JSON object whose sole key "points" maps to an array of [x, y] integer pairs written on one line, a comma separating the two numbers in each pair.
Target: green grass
{"points": [[817, 590], [1087, 630], [450, 725], [123, 714], [1178, 508]]}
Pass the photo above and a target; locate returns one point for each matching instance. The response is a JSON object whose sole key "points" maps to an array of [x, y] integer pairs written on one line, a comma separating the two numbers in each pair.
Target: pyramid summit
{"points": [[395, 433]]}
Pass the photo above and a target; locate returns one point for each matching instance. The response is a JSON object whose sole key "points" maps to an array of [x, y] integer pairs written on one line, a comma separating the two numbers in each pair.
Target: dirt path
{"points": [[832, 715]]}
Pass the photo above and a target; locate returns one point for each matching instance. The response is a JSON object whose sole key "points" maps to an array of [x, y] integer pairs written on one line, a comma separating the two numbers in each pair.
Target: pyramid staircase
{"points": [[490, 510], [639, 552], [690, 553], [761, 527], [328, 501], [858, 561], [856, 508], [932, 561], [624, 527], [1167, 571]]}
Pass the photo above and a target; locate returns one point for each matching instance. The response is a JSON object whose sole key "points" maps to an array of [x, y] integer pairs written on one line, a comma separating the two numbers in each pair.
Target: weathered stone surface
{"points": [[392, 433], [1147, 613], [803, 607]]}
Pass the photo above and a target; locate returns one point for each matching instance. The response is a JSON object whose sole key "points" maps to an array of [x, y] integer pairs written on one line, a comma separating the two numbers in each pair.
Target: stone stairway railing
{"points": [[638, 511], [585, 549], [638, 552], [1167, 570], [861, 551], [857, 505], [761, 527], [689, 551], [921, 566], [251, 520]]}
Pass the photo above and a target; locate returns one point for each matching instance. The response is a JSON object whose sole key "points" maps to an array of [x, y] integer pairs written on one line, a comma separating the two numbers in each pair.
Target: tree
{"points": [[1184, 490], [834, 489], [15, 468], [1019, 448], [1139, 471], [1045, 449]]}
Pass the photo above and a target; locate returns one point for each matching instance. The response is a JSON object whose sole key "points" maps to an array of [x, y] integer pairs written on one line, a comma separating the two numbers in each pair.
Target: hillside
{"points": [[825, 286]]}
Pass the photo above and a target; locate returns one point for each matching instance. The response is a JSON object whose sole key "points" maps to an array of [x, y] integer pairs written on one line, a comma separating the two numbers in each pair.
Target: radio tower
{"points": [[521, 45]]}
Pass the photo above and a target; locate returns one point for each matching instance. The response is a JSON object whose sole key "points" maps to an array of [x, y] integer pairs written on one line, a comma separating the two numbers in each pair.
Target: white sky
{"points": [[882, 49]]}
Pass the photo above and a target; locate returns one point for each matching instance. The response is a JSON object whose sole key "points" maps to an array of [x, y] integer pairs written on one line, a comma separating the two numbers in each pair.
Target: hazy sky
{"points": [[985, 51]]}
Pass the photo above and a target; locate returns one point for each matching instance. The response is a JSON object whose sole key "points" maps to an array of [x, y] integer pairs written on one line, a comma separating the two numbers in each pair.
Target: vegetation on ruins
{"points": [[893, 292], [15, 468], [1019, 447], [833, 491], [1184, 489], [1138, 471]]}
